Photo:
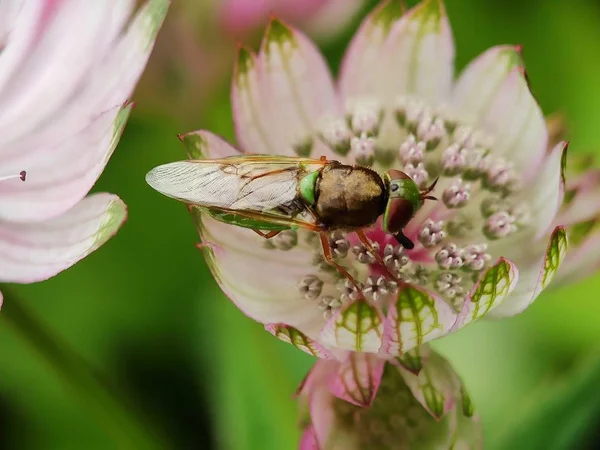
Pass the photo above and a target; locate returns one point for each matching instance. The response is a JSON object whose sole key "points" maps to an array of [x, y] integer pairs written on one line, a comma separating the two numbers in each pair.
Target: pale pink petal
{"points": [[492, 288], [357, 78], [356, 327], [492, 94], [296, 91], [35, 252], [435, 387], [545, 195], [253, 133], [302, 342], [48, 80], [358, 378], [58, 174], [269, 291], [203, 144], [535, 274], [419, 55], [87, 100], [416, 317], [479, 82]]}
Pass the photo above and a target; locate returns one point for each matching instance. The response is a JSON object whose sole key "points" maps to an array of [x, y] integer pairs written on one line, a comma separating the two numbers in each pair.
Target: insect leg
{"points": [[327, 254], [365, 240], [268, 235], [404, 241]]}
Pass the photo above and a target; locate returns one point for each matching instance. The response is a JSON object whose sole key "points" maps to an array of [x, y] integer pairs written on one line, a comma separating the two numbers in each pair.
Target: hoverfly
{"points": [[269, 194]]}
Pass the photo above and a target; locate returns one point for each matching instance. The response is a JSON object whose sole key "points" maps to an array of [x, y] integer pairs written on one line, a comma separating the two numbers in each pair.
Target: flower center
{"points": [[455, 237]]}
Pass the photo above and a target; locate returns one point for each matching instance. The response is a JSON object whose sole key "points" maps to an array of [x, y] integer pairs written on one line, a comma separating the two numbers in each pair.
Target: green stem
{"points": [[120, 420]]}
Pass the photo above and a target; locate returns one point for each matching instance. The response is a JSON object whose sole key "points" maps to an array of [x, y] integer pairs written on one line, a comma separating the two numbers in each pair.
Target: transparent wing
{"points": [[241, 183]]}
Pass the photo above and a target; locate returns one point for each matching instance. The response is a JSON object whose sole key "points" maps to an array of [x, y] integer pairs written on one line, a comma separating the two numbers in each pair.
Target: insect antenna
{"points": [[430, 197], [431, 187]]}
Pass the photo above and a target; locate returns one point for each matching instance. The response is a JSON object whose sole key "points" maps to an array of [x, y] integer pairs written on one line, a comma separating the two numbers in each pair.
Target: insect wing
{"points": [[240, 183]]}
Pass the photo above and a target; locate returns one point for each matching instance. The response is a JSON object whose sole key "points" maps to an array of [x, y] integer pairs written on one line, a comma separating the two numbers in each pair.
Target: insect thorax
{"points": [[349, 197]]}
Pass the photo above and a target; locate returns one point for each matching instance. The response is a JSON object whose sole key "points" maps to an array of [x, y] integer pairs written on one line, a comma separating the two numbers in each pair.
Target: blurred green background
{"points": [[144, 312]]}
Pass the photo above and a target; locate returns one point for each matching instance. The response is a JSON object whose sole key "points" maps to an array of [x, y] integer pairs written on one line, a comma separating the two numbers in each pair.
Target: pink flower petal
{"points": [[203, 144], [35, 252], [84, 98], [356, 327], [358, 378], [535, 274], [357, 77], [546, 193], [493, 93], [58, 174], [48, 81], [296, 91], [492, 288], [252, 131], [419, 55], [416, 317], [308, 441], [435, 387], [297, 339]]}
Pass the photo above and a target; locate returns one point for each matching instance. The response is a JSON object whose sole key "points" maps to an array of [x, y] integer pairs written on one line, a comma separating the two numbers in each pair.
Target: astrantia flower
{"points": [[67, 68], [487, 247], [425, 410]]}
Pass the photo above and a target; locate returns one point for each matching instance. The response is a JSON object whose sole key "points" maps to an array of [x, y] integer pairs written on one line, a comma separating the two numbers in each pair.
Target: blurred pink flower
{"points": [[321, 17], [486, 249], [426, 408], [67, 68]]}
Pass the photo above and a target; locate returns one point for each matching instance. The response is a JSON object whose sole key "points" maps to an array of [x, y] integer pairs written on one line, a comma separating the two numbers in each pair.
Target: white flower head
{"points": [[485, 248]]}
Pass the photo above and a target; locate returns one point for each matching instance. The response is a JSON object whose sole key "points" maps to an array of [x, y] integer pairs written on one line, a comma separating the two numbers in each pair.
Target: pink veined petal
{"points": [[357, 77], [59, 175], [299, 340], [535, 274], [356, 327], [435, 387], [35, 252], [49, 79], [491, 289], [416, 317], [30, 21], [419, 55], [296, 91], [357, 379], [493, 93]]}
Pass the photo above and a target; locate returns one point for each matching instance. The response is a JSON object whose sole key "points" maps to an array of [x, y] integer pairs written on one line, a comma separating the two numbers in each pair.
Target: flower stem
{"points": [[120, 420]]}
